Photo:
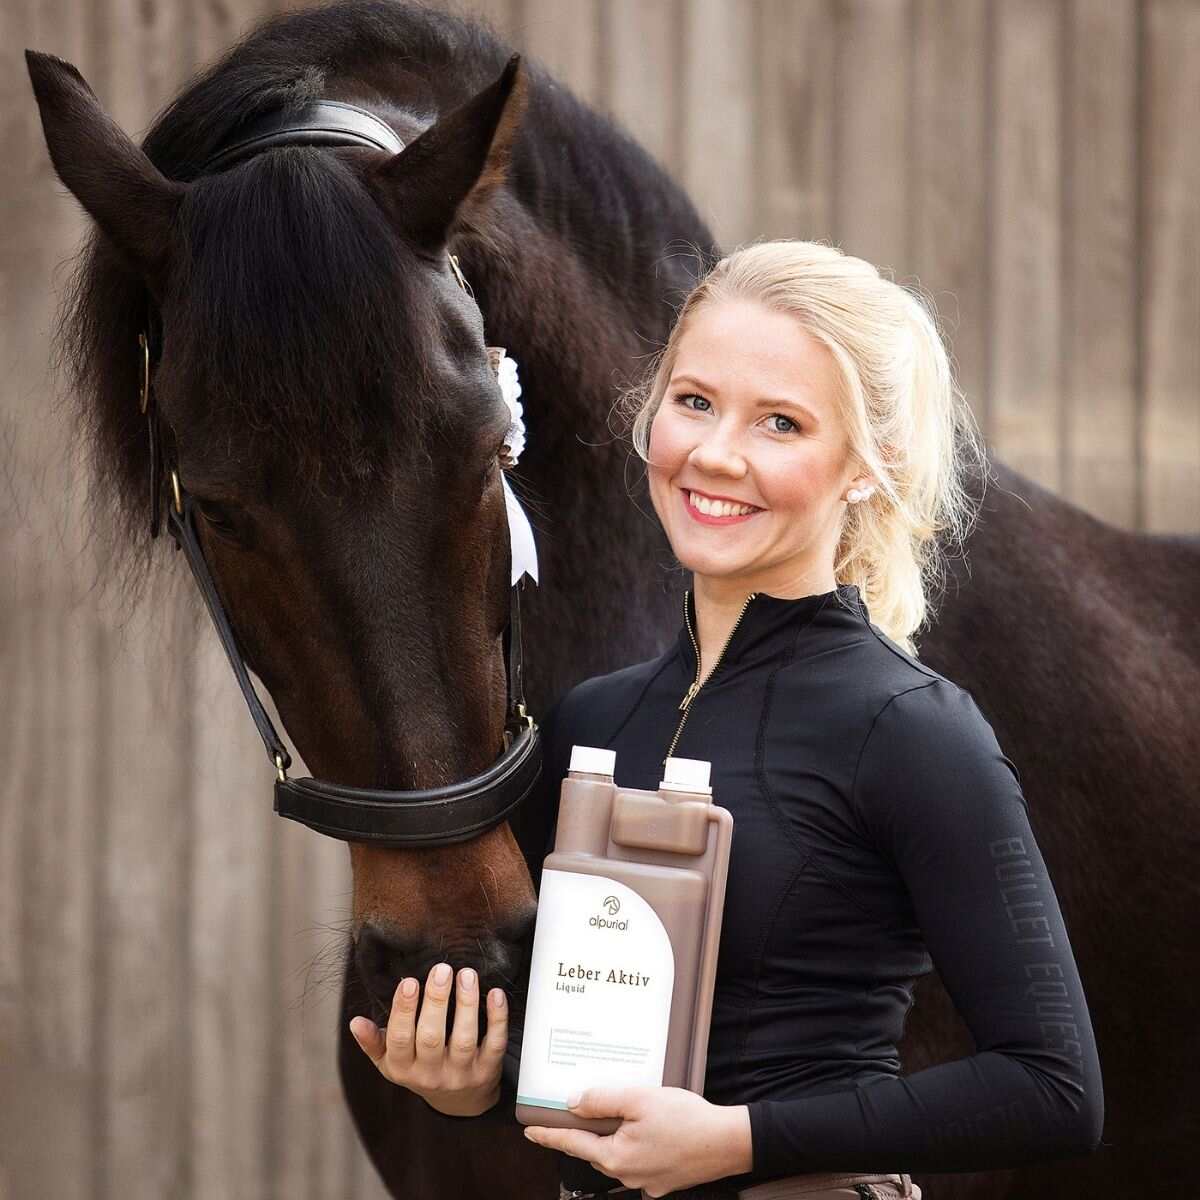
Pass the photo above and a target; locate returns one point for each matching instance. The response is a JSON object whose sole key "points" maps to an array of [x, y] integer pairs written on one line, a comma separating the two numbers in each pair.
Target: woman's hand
{"points": [[461, 1079], [670, 1138]]}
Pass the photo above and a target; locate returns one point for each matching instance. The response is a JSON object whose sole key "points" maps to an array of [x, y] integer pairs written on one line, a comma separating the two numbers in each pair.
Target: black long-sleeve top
{"points": [[878, 830]]}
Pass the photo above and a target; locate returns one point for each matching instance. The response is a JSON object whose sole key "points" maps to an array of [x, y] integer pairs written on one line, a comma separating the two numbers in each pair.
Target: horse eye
{"points": [[215, 515]]}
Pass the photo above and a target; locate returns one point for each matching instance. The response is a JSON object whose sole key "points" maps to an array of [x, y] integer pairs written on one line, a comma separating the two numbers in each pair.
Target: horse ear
{"points": [[449, 172], [130, 199]]}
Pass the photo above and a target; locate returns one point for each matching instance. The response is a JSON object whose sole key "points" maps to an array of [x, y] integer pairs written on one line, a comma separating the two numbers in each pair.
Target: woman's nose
{"points": [[719, 452]]}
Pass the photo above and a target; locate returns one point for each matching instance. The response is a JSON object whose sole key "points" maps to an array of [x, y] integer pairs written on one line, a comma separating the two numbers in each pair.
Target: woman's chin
{"points": [[714, 566]]}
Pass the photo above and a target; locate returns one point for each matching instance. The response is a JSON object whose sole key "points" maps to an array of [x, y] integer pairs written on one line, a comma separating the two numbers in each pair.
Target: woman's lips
{"points": [[705, 519]]}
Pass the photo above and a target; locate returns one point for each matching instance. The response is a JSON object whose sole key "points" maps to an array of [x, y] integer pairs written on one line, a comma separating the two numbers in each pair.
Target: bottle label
{"points": [[601, 978]]}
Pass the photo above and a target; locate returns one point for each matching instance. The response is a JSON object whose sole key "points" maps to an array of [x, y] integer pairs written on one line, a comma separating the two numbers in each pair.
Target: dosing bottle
{"points": [[625, 946]]}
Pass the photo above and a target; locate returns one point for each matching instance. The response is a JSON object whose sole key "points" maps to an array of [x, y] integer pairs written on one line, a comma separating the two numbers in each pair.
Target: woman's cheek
{"points": [[663, 446]]}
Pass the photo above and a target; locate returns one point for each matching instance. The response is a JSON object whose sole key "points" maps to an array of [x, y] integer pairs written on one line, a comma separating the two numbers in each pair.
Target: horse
{"points": [[323, 384]]}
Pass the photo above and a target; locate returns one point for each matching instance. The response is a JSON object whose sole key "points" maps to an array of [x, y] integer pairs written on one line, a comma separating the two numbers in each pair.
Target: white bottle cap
{"points": [[593, 760], [687, 775]]}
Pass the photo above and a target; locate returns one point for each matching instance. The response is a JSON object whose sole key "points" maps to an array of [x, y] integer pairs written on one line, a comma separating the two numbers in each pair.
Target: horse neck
{"points": [[578, 287]]}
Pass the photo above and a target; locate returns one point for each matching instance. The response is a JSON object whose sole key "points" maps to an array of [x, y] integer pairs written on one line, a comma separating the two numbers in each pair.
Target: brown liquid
{"points": [[672, 848]]}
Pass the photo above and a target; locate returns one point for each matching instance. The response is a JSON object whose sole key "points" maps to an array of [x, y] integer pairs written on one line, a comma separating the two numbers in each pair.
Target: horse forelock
{"points": [[298, 321]]}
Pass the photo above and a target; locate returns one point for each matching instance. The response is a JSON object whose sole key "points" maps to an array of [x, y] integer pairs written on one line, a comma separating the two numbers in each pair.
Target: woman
{"points": [[806, 447]]}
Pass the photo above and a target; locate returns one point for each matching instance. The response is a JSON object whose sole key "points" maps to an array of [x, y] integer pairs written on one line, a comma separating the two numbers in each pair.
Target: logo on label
{"points": [[612, 905]]}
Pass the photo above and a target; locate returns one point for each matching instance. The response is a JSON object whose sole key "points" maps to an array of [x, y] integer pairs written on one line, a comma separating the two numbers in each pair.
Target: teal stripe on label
{"points": [[540, 1103]]}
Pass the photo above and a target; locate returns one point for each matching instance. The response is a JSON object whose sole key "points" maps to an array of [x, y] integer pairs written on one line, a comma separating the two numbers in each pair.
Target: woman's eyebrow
{"points": [[793, 404]]}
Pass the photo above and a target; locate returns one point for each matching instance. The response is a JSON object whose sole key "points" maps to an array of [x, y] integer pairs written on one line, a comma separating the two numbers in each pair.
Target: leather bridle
{"points": [[428, 817]]}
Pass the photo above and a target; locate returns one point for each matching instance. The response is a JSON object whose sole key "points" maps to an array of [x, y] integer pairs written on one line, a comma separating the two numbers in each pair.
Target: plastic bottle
{"points": [[625, 946]]}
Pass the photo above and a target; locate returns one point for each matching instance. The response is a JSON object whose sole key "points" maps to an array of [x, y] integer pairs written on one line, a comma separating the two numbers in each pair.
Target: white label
{"points": [[601, 978]]}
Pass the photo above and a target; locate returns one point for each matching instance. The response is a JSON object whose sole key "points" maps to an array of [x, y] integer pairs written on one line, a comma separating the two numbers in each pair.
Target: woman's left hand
{"points": [[669, 1138]]}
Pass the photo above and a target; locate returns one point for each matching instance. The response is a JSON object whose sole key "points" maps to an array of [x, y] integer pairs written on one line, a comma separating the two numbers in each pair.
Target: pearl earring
{"points": [[854, 495]]}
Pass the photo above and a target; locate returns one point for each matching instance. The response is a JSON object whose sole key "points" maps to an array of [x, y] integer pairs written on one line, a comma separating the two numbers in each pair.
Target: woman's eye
{"points": [[684, 397], [780, 417]]}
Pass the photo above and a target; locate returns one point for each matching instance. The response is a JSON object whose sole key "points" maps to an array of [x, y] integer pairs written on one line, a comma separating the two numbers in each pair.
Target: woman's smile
{"points": [[710, 510]]}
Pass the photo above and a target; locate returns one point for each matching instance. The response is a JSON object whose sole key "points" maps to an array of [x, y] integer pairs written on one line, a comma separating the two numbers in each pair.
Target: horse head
{"points": [[324, 396]]}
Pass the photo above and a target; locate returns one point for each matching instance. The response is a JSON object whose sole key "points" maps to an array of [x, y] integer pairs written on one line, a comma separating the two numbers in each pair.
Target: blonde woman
{"points": [[807, 454]]}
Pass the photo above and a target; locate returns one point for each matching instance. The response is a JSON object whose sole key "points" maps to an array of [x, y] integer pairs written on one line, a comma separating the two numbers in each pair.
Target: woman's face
{"points": [[750, 414]]}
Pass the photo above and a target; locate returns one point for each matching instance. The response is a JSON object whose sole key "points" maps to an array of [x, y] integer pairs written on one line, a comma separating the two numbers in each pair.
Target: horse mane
{"points": [[326, 402]]}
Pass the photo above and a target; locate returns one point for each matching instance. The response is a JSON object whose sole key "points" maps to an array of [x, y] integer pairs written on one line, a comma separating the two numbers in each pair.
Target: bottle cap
{"points": [[687, 775], [593, 760]]}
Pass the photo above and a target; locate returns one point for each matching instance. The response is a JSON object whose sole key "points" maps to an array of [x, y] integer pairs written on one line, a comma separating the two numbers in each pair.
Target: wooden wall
{"points": [[168, 948]]}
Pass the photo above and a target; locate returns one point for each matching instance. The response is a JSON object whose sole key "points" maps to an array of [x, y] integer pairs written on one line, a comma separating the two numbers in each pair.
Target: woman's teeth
{"points": [[719, 508]]}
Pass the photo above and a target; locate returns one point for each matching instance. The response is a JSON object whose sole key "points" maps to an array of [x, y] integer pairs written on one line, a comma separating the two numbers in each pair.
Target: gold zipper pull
{"points": [[693, 688]]}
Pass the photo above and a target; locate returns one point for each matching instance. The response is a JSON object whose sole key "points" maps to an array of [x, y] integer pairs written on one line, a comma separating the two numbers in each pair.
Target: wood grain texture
{"points": [[717, 137], [1170, 288], [1098, 438], [948, 211], [1026, 239], [640, 71], [873, 130], [565, 37], [794, 120]]}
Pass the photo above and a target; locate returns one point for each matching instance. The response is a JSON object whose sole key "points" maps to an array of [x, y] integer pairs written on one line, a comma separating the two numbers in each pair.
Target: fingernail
{"points": [[573, 1099], [467, 978], [496, 997], [408, 989], [441, 973]]}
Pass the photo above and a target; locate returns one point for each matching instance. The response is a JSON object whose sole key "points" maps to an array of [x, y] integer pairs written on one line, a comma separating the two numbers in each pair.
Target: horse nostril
{"points": [[379, 957], [519, 930], [383, 959]]}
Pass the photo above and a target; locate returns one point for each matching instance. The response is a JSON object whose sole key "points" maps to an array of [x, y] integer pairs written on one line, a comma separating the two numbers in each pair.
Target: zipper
{"points": [[685, 705]]}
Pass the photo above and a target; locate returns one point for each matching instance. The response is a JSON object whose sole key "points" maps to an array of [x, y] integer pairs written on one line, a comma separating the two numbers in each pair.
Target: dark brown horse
{"points": [[324, 384]]}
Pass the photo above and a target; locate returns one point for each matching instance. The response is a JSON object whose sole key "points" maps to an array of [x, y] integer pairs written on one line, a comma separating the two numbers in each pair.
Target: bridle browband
{"points": [[429, 817]]}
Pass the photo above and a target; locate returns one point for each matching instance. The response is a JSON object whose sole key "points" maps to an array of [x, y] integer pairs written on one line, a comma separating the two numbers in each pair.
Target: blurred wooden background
{"points": [[169, 949]]}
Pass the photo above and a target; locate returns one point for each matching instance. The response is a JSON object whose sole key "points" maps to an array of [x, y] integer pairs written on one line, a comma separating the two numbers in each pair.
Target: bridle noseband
{"points": [[430, 817]]}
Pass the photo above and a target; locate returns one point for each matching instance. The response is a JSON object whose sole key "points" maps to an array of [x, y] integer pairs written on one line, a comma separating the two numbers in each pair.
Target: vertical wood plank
{"points": [[564, 36], [873, 130], [718, 133], [146, 1019], [949, 180], [234, 1026], [315, 1154], [1170, 286], [640, 75], [145, 1030], [56, 1073], [1100, 452], [316, 991], [1026, 382], [19, 263], [795, 167]]}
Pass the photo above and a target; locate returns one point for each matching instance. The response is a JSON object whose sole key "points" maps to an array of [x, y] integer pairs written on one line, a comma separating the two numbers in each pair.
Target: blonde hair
{"points": [[906, 420]]}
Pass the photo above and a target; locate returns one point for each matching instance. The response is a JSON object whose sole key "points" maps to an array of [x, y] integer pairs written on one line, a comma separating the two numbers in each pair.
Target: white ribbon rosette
{"points": [[520, 533], [510, 388]]}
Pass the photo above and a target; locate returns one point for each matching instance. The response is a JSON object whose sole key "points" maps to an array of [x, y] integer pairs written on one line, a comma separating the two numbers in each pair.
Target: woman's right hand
{"points": [[461, 1079]]}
